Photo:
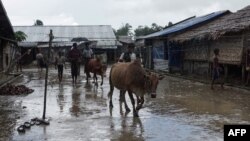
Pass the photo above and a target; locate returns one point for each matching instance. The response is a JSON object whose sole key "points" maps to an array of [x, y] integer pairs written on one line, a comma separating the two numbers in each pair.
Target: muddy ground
{"points": [[183, 110]]}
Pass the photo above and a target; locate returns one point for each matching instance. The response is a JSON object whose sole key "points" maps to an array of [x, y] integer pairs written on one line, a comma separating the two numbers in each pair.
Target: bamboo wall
{"points": [[231, 50], [196, 51]]}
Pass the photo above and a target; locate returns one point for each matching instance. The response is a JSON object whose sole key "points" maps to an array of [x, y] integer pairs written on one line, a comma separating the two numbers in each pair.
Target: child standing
{"points": [[216, 68], [60, 62]]}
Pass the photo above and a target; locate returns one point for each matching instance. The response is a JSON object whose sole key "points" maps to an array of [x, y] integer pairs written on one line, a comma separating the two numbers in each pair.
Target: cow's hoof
{"points": [[153, 95], [127, 109], [138, 108], [110, 105], [136, 114]]}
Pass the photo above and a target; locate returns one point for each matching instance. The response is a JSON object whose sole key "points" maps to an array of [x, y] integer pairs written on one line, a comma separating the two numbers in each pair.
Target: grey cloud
{"points": [[113, 12]]}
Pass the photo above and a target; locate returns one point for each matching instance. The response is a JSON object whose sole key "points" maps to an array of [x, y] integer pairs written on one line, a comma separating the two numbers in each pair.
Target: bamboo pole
{"points": [[243, 53], [46, 75]]}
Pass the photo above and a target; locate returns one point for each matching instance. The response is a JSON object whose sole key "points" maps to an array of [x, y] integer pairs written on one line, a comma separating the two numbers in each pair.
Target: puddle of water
{"points": [[183, 110]]}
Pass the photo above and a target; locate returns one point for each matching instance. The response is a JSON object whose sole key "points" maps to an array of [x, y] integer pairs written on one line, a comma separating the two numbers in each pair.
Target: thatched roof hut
{"points": [[231, 23], [229, 33]]}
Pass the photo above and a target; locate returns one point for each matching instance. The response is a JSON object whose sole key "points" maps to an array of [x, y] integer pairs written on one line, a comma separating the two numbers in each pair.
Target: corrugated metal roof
{"points": [[107, 44], [27, 44], [102, 33], [186, 24], [125, 39]]}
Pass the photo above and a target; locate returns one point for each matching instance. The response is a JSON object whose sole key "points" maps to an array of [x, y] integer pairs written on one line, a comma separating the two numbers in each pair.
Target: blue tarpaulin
{"points": [[186, 24]]}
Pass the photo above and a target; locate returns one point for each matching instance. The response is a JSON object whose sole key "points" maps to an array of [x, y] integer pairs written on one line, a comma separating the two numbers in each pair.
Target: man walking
{"points": [[129, 55], [87, 54], [74, 56]]}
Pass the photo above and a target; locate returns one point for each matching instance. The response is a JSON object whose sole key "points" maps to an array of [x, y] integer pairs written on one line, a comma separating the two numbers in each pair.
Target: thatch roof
{"points": [[231, 23], [6, 30]]}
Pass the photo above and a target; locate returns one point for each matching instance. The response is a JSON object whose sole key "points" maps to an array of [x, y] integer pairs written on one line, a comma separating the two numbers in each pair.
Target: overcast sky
{"points": [[113, 12]]}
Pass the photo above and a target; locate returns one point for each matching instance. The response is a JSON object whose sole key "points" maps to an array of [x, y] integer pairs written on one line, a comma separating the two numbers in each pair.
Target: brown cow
{"points": [[133, 78], [97, 68]]}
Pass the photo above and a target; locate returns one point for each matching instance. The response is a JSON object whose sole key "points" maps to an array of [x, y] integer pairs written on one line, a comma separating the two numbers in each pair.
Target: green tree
{"points": [[124, 30], [20, 36], [142, 30], [145, 30], [156, 27], [38, 23]]}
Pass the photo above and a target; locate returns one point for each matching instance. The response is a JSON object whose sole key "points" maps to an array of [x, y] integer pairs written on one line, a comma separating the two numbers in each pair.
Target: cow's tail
{"points": [[110, 84]]}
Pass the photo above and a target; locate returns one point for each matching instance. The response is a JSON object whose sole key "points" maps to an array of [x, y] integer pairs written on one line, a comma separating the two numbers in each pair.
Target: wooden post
{"points": [[247, 66], [208, 60], [149, 57], [226, 73], [243, 53], [209, 71], [168, 51], [46, 75], [192, 67], [115, 56], [243, 71]]}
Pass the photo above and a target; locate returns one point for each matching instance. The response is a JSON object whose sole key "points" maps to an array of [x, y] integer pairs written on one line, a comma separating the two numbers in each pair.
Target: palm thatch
{"points": [[230, 23]]}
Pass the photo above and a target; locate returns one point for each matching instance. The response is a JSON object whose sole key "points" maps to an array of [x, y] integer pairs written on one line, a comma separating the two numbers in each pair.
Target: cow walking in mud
{"points": [[96, 67], [133, 78]]}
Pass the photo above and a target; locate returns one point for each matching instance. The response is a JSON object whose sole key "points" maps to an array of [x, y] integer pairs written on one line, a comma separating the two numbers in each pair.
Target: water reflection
{"points": [[203, 106], [88, 87], [89, 93], [75, 109], [120, 109], [60, 97], [7, 118], [130, 128], [138, 126]]}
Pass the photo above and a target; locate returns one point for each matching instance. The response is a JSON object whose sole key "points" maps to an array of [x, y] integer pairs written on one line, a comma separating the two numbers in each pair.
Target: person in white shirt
{"points": [[129, 55], [18, 57], [87, 54], [40, 62], [60, 62]]}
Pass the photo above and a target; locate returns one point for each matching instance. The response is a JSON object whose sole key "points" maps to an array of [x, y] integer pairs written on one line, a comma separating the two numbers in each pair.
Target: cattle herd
{"points": [[128, 77]]}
